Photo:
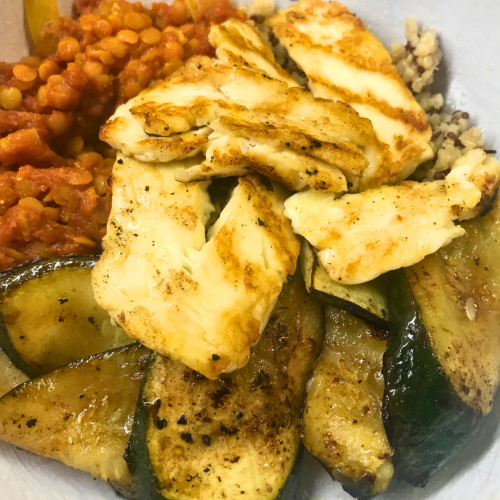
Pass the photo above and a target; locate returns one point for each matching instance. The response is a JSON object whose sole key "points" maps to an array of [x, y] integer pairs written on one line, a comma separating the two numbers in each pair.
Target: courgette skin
{"points": [[367, 301], [38, 267], [21, 274], [427, 423], [229, 427], [136, 453], [49, 317], [80, 414]]}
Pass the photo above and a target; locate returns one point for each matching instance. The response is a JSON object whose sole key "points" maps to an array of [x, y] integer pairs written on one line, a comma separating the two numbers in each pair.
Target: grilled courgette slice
{"points": [[368, 300], [10, 376], [442, 366], [49, 317], [343, 426], [235, 437], [80, 414]]}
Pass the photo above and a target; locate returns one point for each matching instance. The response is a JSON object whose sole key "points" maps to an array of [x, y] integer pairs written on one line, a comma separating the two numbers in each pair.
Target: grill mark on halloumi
{"points": [[179, 293], [361, 236], [344, 61], [244, 101]]}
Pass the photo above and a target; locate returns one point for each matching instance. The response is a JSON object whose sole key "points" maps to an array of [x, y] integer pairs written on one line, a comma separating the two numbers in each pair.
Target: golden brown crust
{"points": [[336, 60], [177, 292]]}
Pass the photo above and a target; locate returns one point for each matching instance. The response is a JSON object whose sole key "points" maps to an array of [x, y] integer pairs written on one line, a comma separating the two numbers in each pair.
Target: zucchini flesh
{"points": [[10, 376], [235, 437], [442, 366], [367, 300], [343, 426], [80, 414], [49, 317]]}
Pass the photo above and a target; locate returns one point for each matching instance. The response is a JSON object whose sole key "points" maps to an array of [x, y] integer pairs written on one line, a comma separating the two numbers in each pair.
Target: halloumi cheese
{"points": [[361, 236], [202, 299], [473, 181], [344, 61], [245, 95]]}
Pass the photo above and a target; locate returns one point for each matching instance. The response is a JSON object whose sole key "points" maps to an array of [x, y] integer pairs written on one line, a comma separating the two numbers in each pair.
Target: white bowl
{"points": [[470, 79]]}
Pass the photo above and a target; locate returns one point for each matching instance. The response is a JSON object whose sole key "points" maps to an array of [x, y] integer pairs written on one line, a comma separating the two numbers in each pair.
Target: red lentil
{"points": [[55, 192]]}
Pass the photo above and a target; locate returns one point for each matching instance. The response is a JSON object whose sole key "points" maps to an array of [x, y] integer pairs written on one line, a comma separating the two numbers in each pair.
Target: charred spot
{"points": [[187, 437], [91, 320], [262, 382], [153, 408], [120, 161], [218, 395], [161, 424], [31, 423], [81, 396], [261, 222], [227, 431], [63, 300], [207, 469], [182, 420], [239, 415], [215, 357]]}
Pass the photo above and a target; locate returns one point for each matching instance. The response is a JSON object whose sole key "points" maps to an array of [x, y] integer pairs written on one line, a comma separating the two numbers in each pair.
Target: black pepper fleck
{"points": [[187, 437], [31, 423], [182, 420], [161, 424], [215, 357]]}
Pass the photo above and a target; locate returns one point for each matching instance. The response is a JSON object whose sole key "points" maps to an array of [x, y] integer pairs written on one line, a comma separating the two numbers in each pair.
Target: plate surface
{"points": [[470, 79]]}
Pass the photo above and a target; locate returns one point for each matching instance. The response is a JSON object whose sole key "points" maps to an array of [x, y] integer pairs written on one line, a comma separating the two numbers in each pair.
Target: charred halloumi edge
{"points": [[344, 61], [207, 99], [361, 236], [201, 300]]}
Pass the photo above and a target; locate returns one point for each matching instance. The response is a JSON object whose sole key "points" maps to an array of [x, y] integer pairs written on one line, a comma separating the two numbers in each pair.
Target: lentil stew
{"points": [[55, 174]]}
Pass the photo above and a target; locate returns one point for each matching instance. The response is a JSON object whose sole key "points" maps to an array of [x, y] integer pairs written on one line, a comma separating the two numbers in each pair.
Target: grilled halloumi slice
{"points": [[344, 61], [238, 43], [472, 181], [228, 156], [361, 236], [204, 302], [249, 97]]}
